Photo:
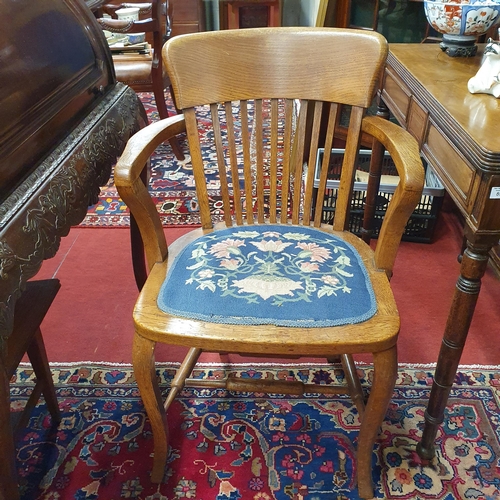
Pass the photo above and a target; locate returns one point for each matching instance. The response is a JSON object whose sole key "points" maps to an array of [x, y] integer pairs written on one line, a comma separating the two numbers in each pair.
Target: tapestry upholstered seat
{"points": [[263, 275]]}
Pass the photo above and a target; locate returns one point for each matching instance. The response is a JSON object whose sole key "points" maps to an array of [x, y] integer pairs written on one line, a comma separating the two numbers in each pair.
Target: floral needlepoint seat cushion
{"points": [[269, 274]]}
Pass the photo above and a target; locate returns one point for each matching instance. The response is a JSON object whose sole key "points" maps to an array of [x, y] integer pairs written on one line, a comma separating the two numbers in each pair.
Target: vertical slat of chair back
{"points": [[340, 222], [261, 159], [330, 132]]}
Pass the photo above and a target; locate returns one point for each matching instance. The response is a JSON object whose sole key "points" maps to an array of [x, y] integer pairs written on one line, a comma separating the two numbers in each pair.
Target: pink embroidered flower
{"points": [[270, 245], [330, 280], [271, 234], [226, 248], [230, 264], [308, 267], [313, 251]]}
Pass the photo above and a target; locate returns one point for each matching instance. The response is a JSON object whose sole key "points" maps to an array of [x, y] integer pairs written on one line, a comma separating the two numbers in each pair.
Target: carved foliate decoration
{"points": [[56, 196]]}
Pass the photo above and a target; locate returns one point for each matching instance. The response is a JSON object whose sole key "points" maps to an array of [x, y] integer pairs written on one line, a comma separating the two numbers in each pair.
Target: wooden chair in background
{"points": [[266, 71], [144, 72]]}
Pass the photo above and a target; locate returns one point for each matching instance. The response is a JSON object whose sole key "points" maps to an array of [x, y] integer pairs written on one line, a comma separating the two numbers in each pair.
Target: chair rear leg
{"points": [[384, 379], [144, 370]]}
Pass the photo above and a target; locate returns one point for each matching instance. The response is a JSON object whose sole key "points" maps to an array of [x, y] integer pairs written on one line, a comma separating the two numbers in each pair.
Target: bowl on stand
{"points": [[461, 22]]}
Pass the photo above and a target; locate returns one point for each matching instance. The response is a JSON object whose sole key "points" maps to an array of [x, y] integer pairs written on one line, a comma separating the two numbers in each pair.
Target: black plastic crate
{"points": [[420, 226]]}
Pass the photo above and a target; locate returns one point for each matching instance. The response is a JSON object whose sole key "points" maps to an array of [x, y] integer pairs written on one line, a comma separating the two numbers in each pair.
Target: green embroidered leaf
{"points": [[199, 264], [343, 260], [296, 236], [343, 273], [197, 252], [325, 290], [246, 234], [207, 284]]}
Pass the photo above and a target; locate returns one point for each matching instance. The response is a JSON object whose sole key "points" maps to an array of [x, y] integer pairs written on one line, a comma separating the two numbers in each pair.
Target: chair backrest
{"points": [[269, 93], [269, 90]]}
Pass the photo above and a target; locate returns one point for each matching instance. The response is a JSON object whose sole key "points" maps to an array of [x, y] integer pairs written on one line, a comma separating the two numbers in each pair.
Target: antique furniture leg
{"points": [[385, 366], [38, 359], [8, 483], [26, 337], [473, 267], [145, 374]]}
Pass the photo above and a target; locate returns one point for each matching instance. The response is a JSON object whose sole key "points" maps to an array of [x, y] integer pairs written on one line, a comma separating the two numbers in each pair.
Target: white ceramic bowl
{"points": [[128, 14]]}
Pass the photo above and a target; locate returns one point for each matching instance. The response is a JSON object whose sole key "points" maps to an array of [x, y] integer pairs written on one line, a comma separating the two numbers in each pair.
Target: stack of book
{"points": [[121, 46]]}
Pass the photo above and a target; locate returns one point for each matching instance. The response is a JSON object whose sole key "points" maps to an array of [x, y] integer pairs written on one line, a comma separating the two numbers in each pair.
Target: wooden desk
{"points": [[426, 90]]}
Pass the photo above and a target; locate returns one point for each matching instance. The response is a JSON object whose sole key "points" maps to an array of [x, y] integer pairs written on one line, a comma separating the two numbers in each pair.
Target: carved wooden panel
{"points": [[56, 195]]}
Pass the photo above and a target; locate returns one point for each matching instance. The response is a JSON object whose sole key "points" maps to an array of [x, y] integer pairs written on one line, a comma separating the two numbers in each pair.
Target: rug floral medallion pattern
{"points": [[253, 446]]}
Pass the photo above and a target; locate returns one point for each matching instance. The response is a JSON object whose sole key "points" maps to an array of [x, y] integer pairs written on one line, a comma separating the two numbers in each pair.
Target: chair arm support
{"points": [[133, 190], [405, 154]]}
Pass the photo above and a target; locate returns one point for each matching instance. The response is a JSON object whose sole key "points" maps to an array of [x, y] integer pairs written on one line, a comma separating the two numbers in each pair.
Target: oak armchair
{"points": [[269, 278]]}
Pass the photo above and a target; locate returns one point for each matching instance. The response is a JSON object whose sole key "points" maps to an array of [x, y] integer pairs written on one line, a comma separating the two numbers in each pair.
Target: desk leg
{"points": [[473, 267], [8, 483]]}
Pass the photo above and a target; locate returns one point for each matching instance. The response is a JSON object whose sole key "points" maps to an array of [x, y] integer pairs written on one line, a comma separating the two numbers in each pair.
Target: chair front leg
{"points": [[145, 374], [385, 366]]}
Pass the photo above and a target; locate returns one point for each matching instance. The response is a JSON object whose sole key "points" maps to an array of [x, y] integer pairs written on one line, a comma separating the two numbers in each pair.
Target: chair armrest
{"points": [[405, 154], [119, 26], [128, 176]]}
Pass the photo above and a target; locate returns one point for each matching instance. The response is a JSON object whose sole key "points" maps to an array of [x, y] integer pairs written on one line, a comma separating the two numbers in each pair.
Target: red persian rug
{"points": [[252, 446]]}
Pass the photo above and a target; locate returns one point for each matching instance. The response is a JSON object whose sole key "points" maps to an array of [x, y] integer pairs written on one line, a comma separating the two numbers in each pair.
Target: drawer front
{"points": [[456, 171], [417, 121], [396, 96]]}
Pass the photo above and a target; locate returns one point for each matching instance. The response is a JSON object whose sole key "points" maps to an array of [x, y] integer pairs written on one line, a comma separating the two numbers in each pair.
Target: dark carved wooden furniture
{"points": [[144, 72], [63, 121], [426, 91]]}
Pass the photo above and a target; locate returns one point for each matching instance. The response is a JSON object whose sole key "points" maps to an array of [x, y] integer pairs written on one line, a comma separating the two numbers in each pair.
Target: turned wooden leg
{"points": [[145, 375], [385, 366], [473, 266], [352, 379]]}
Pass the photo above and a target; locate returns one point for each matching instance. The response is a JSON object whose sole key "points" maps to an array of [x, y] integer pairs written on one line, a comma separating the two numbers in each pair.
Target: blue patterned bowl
{"points": [[461, 22]]}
